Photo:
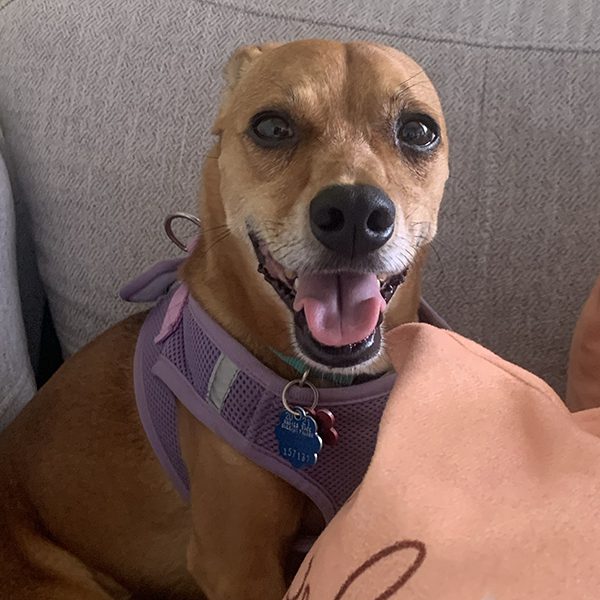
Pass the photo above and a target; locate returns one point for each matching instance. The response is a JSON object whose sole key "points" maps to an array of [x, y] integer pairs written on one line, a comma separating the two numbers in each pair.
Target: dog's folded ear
{"points": [[234, 71]]}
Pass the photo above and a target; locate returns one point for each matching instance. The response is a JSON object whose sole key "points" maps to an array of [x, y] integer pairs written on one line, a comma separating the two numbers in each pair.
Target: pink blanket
{"points": [[483, 485]]}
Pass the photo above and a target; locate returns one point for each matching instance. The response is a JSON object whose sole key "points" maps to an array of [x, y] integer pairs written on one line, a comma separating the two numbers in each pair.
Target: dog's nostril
{"points": [[380, 220], [330, 219]]}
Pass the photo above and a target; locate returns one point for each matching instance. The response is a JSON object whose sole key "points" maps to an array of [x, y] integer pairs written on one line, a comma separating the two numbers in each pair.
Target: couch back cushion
{"points": [[106, 108]]}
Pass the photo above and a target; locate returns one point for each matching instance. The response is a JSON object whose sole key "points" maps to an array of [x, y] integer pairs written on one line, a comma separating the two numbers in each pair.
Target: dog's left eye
{"points": [[271, 129], [418, 132]]}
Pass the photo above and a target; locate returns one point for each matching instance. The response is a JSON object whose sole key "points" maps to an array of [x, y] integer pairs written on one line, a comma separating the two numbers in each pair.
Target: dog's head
{"points": [[333, 159]]}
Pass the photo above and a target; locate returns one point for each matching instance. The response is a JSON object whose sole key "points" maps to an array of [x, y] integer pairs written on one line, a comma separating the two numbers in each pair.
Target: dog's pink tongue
{"points": [[340, 309]]}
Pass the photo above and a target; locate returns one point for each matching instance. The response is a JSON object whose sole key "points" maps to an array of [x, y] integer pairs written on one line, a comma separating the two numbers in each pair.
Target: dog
{"points": [[327, 177]]}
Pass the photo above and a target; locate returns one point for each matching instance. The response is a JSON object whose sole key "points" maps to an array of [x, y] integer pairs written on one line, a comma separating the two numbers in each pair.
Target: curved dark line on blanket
{"points": [[397, 547], [305, 592]]}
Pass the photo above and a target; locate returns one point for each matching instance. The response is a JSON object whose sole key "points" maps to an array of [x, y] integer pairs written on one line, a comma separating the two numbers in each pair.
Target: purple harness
{"points": [[182, 354]]}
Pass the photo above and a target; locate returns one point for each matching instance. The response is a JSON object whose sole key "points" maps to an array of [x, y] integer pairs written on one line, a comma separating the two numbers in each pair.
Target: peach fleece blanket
{"points": [[483, 485]]}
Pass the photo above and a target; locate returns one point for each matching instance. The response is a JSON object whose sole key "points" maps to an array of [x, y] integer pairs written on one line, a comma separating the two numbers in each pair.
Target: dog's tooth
{"points": [[381, 278], [296, 283], [289, 274]]}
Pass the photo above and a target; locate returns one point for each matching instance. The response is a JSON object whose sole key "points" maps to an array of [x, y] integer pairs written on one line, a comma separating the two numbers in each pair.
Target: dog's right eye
{"points": [[271, 130]]}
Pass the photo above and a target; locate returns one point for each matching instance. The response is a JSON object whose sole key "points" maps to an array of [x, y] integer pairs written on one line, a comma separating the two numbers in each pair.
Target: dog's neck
{"points": [[221, 274]]}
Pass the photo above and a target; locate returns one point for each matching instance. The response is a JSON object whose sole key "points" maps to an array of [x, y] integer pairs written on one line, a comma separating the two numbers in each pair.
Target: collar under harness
{"points": [[183, 355]]}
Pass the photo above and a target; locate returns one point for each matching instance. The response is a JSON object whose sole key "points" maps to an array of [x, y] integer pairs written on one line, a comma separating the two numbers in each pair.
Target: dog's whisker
{"points": [[284, 251], [219, 239], [407, 256], [412, 85], [215, 228], [403, 86], [443, 244], [421, 240], [414, 223], [420, 72], [432, 245], [437, 255]]}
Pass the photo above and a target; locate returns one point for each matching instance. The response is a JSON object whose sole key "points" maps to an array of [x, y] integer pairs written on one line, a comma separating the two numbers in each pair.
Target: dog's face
{"points": [[333, 160]]}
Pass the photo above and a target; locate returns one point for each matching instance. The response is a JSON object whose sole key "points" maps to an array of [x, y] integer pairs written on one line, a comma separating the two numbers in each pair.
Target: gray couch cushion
{"points": [[16, 375], [107, 105]]}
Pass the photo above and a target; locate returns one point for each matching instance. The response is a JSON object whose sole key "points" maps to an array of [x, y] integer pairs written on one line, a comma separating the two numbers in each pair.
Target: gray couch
{"points": [[106, 107]]}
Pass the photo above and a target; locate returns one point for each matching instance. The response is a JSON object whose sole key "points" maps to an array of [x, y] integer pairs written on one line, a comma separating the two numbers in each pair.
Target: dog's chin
{"points": [[361, 356]]}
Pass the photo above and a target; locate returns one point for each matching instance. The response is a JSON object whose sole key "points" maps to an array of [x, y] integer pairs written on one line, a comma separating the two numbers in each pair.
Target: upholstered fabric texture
{"points": [[583, 381], [106, 108], [16, 375]]}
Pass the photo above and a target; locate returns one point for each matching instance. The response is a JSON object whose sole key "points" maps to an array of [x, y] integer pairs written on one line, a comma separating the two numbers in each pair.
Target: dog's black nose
{"points": [[352, 220]]}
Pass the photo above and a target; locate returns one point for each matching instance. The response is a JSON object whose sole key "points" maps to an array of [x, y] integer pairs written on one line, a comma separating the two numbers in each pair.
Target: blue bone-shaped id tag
{"points": [[299, 441]]}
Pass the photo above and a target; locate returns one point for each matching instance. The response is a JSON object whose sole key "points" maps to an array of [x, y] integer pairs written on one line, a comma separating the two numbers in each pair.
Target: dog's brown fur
{"points": [[86, 511]]}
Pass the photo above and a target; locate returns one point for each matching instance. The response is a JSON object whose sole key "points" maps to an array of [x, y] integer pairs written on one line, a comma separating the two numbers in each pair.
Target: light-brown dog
{"points": [[330, 168]]}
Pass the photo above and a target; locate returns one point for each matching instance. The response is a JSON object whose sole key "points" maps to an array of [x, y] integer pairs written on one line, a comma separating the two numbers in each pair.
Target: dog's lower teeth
{"points": [[289, 274]]}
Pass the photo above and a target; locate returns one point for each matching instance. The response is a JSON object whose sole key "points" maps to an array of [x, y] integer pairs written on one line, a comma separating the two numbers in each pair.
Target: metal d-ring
{"points": [[169, 228], [303, 381]]}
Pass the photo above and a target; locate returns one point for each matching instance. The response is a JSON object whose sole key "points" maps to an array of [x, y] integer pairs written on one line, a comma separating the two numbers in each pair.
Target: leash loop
{"points": [[168, 225]]}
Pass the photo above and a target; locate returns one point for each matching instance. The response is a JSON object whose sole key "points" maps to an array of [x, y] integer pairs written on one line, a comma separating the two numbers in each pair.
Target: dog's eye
{"points": [[418, 132], [271, 129]]}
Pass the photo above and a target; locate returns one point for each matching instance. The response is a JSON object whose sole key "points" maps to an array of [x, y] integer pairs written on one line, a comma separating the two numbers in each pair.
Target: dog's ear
{"points": [[235, 70]]}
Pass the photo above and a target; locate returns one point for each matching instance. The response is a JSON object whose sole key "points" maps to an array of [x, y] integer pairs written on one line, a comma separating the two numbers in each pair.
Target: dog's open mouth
{"points": [[337, 316]]}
